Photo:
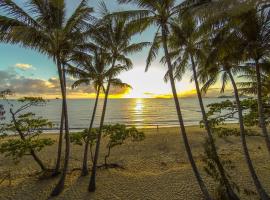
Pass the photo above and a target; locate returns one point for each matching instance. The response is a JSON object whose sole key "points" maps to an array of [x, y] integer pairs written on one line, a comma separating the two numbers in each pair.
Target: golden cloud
{"points": [[23, 66], [25, 86]]}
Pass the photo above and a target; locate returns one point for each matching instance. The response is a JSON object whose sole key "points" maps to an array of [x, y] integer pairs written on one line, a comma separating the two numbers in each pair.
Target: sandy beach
{"points": [[156, 168]]}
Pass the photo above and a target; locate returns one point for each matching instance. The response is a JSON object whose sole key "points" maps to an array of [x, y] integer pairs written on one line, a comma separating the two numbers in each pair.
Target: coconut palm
{"points": [[161, 13], [224, 62], [186, 41], [111, 80], [113, 34], [43, 26], [252, 28], [93, 72]]}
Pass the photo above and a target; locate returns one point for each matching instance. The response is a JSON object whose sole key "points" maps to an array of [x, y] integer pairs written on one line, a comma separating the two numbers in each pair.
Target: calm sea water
{"points": [[132, 112]]}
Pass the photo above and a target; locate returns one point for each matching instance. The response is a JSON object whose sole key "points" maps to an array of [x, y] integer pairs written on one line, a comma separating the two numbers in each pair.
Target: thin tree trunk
{"points": [[263, 195], [60, 144], [32, 152], [180, 118], [92, 183], [60, 185], [107, 156], [230, 193], [260, 106], [85, 155], [91, 153]]}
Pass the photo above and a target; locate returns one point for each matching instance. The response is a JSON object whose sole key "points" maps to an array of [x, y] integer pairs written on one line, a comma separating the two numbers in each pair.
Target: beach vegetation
{"points": [[28, 127], [118, 134]]}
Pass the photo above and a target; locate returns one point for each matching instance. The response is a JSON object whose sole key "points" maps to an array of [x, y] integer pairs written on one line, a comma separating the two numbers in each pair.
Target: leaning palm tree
{"points": [[45, 28], [223, 62], [186, 43], [113, 34], [161, 13], [91, 72]]}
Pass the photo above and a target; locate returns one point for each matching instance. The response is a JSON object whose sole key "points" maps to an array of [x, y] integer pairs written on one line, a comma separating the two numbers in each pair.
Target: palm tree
{"points": [[252, 28], [44, 27], [113, 34], [92, 72], [249, 85], [161, 13], [186, 43], [223, 62]]}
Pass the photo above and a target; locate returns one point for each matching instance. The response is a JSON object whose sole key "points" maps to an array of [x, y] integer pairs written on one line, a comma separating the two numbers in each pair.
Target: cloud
{"points": [[28, 86], [24, 67]]}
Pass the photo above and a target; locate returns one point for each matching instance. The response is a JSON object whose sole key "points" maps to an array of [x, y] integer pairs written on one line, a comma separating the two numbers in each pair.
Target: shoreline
{"points": [[142, 127], [157, 127]]}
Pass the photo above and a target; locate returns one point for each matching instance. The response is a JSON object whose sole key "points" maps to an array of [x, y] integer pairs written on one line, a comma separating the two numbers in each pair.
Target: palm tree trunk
{"points": [[84, 168], [32, 152], [230, 193], [60, 144], [263, 195], [92, 183], [260, 106], [60, 185], [180, 118]]}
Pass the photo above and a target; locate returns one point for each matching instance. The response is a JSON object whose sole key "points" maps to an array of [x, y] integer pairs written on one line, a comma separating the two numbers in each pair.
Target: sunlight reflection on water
{"points": [[132, 112]]}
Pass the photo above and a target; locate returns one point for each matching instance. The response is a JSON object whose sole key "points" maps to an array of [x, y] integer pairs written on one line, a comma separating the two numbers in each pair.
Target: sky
{"points": [[30, 73]]}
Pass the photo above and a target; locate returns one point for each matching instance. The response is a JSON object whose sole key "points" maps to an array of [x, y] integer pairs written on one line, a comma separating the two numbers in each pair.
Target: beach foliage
{"points": [[79, 138], [85, 137], [226, 112], [17, 148], [219, 114], [27, 128], [117, 134]]}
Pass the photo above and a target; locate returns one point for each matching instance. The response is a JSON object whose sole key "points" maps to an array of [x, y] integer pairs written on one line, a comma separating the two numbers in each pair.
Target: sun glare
{"points": [[139, 105]]}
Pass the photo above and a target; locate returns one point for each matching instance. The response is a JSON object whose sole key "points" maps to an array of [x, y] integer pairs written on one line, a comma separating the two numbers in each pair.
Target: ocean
{"points": [[132, 112]]}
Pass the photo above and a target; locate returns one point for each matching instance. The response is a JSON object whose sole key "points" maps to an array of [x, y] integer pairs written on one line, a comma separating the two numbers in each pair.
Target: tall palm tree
{"points": [[186, 43], [111, 75], [94, 72], [161, 13], [70, 55], [252, 28], [44, 27], [224, 62], [113, 34]]}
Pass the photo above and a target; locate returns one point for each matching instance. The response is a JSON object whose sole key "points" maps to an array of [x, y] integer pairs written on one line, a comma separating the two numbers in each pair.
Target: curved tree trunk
{"points": [[60, 185], [263, 195], [86, 148], [32, 152], [92, 183], [180, 118], [230, 193], [260, 107]]}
